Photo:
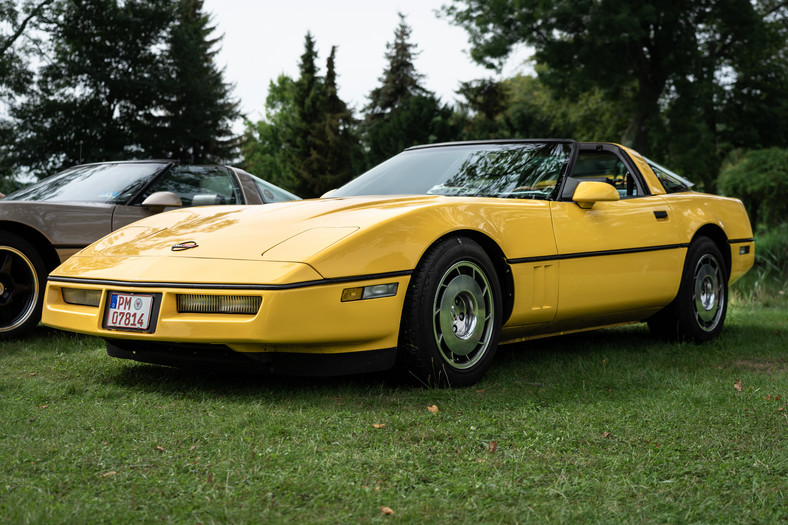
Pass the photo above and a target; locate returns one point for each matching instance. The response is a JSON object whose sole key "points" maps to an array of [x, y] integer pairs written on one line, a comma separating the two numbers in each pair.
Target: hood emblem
{"points": [[188, 245]]}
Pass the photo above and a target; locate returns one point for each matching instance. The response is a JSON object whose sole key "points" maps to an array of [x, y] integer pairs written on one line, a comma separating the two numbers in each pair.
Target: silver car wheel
{"points": [[709, 296], [463, 311]]}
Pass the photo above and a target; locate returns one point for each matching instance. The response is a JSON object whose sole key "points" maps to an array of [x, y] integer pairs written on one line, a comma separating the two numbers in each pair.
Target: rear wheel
{"points": [[22, 278], [452, 315], [698, 311]]}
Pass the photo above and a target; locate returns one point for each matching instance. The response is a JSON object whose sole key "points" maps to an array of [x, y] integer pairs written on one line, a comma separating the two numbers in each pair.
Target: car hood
{"points": [[299, 241], [277, 232]]}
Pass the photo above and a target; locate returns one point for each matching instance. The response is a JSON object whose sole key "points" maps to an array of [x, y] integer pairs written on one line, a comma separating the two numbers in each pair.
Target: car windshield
{"points": [[109, 183], [524, 170]]}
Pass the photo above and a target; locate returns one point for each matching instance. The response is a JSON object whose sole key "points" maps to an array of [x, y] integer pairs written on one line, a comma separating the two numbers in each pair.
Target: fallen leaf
{"points": [[379, 425], [433, 409], [192, 447], [110, 473], [386, 510], [604, 362], [737, 385], [32, 373], [159, 448], [492, 447], [44, 406], [606, 435], [480, 391]]}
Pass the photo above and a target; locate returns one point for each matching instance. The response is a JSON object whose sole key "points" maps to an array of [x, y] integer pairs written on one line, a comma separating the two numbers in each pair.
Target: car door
{"points": [[619, 260], [194, 185]]}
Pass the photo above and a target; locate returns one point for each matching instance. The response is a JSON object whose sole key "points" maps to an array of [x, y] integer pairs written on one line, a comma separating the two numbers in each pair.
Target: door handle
{"points": [[661, 214]]}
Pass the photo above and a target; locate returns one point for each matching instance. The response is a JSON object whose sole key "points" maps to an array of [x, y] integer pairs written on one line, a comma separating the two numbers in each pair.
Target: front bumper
{"points": [[310, 319]]}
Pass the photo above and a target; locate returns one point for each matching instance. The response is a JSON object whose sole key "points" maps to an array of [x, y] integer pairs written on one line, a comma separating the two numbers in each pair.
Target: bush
{"points": [[768, 279], [760, 179]]}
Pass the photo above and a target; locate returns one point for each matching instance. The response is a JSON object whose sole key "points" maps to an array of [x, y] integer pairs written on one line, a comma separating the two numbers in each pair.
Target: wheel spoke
{"points": [[6, 263], [463, 315]]}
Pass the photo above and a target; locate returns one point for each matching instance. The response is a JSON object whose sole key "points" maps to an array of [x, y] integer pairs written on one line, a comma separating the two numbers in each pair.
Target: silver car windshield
{"points": [[107, 183], [527, 170]]}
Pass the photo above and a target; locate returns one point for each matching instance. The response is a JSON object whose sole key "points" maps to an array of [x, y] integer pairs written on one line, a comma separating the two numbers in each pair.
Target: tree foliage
{"points": [[124, 79], [673, 67], [199, 109], [401, 112], [760, 179], [307, 142]]}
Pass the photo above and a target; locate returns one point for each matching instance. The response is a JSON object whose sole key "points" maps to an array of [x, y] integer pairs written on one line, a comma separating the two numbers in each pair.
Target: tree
{"points": [[343, 149], [307, 138], [401, 112], [124, 79], [266, 143], [199, 109], [103, 85], [17, 19], [307, 142], [646, 56], [760, 179]]}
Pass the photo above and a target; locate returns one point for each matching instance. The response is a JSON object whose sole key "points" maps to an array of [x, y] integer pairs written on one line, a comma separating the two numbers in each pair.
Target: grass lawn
{"points": [[609, 426]]}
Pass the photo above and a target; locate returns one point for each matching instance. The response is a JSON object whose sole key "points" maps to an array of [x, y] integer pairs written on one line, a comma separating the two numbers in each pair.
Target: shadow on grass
{"points": [[603, 357]]}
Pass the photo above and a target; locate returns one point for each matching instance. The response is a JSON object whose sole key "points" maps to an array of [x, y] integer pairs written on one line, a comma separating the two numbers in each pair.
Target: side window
{"points": [[199, 185], [604, 166]]}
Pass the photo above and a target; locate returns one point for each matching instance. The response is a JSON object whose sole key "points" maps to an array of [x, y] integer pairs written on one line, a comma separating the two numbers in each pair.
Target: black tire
{"points": [[698, 312], [451, 320], [22, 282]]}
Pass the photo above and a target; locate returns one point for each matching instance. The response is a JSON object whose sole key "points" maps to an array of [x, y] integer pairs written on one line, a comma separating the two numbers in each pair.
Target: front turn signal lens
{"points": [[369, 292]]}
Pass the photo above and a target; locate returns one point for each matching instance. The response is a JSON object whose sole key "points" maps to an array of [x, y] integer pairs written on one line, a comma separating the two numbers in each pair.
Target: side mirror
{"points": [[156, 202], [590, 192]]}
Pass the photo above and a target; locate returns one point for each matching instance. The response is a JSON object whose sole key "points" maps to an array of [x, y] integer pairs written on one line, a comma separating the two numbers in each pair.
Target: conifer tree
{"points": [[342, 146], [401, 112], [400, 80], [199, 108], [307, 130]]}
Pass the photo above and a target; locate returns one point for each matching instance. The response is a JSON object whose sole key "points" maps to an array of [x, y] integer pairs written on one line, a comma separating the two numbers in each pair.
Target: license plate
{"points": [[129, 311]]}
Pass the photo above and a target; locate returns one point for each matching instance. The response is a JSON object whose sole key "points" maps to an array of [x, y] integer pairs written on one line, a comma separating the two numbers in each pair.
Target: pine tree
{"points": [[400, 80], [343, 149], [199, 108], [401, 112], [307, 143]]}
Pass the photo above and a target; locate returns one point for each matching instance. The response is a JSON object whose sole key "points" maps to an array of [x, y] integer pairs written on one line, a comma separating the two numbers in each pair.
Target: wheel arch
{"points": [[502, 269], [718, 237], [37, 239]]}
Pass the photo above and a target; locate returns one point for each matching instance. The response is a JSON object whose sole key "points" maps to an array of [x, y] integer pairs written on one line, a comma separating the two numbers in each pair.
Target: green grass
{"points": [[610, 426]]}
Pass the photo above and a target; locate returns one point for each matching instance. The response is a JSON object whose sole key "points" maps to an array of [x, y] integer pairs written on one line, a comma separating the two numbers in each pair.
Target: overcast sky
{"points": [[263, 39]]}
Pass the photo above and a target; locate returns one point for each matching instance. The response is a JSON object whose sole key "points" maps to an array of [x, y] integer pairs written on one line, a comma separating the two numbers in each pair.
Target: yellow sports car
{"points": [[424, 263]]}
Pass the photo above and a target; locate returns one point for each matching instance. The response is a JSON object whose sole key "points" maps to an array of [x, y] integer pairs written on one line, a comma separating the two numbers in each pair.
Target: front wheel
{"points": [[698, 312], [452, 315], [22, 278]]}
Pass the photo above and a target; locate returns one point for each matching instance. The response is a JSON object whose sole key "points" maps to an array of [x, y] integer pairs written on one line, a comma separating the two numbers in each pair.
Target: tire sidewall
{"points": [[419, 354], [688, 326]]}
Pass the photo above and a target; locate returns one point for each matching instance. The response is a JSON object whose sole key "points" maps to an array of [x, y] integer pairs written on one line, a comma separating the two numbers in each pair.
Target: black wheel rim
{"points": [[708, 292], [19, 288], [463, 313]]}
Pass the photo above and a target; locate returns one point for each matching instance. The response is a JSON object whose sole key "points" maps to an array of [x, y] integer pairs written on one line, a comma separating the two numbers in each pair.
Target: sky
{"points": [[265, 38]]}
